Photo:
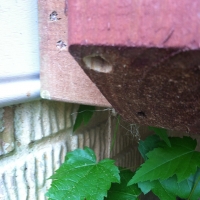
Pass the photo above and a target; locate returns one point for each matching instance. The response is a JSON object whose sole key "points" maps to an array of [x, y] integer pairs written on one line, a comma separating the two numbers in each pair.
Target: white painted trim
{"points": [[19, 52]]}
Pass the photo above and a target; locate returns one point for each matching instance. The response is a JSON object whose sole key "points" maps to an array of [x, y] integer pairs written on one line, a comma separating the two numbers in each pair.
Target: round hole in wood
{"points": [[97, 63]]}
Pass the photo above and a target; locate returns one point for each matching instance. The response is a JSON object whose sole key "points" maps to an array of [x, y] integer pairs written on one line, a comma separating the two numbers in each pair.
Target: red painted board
{"points": [[151, 23]]}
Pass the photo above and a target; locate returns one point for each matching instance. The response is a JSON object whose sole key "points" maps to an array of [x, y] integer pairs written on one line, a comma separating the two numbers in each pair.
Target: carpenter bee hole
{"points": [[97, 63], [54, 16], [141, 114]]}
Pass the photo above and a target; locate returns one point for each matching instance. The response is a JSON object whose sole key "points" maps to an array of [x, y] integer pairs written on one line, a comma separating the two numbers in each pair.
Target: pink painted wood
{"points": [[62, 79], [151, 23]]}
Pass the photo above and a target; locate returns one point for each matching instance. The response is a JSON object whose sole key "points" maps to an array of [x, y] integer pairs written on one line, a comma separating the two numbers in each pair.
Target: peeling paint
{"points": [[1, 120]]}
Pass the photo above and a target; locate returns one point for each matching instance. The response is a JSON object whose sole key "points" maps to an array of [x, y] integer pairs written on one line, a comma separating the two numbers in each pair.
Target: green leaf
{"points": [[122, 191], [181, 189], [148, 144], [170, 188], [81, 177], [164, 162], [194, 181], [162, 133], [157, 188], [84, 115]]}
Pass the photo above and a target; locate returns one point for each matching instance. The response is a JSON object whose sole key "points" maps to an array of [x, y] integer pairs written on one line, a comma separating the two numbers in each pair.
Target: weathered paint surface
{"points": [[152, 49], [149, 23], [61, 77]]}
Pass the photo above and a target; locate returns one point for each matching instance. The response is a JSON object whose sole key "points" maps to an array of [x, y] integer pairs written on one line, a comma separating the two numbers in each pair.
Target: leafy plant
{"points": [[121, 190], [162, 133], [171, 188], [81, 177], [84, 115], [171, 169], [172, 159]]}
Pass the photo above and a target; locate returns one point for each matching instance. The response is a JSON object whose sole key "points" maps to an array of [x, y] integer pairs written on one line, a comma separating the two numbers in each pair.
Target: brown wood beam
{"points": [[143, 55]]}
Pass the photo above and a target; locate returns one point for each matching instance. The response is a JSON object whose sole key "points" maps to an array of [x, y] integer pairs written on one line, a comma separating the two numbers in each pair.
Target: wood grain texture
{"points": [[61, 77]]}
